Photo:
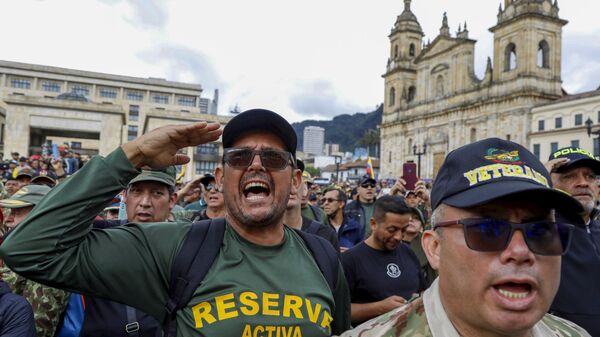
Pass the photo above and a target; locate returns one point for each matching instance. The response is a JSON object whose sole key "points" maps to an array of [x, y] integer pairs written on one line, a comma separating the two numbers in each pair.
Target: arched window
{"points": [[412, 91], [392, 97], [395, 51], [510, 57], [439, 86], [473, 135], [411, 50], [543, 55]]}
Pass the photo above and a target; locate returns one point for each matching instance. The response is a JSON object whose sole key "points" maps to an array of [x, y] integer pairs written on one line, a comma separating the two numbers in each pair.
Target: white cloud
{"points": [[267, 53]]}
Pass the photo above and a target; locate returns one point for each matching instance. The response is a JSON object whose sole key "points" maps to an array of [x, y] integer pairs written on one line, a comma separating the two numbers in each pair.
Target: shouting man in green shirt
{"points": [[264, 280]]}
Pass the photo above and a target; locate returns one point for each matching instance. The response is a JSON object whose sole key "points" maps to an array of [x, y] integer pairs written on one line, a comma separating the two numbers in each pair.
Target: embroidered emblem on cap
{"points": [[393, 270], [503, 156]]}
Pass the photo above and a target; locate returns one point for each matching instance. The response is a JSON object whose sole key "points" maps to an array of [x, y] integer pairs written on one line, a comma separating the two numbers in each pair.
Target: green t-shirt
{"points": [[254, 290], [250, 290], [368, 208]]}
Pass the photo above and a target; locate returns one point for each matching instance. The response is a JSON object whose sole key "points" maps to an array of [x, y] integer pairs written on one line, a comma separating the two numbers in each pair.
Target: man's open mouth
{"points": [[514, 290], [256, 190]]}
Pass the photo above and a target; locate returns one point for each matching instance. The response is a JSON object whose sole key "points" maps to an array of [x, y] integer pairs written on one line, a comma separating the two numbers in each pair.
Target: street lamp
{"points": [[419, 154], [588, 126], [338, 161]]}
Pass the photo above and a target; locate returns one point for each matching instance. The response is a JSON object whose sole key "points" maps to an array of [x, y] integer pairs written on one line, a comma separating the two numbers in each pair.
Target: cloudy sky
{"points": [[304, 59]]}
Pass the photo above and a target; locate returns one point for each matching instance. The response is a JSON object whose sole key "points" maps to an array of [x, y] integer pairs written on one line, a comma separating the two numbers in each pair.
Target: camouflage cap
{"points": [[165, 176], [29, 195]]}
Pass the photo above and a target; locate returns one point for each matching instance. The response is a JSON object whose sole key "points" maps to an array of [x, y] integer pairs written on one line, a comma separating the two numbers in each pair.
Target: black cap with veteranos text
{"points": [[481, 172]]}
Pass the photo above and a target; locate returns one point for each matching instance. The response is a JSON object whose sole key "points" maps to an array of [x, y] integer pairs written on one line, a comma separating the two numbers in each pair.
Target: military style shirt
{"points": [[250, 290], [425, 317], [47, 303]]}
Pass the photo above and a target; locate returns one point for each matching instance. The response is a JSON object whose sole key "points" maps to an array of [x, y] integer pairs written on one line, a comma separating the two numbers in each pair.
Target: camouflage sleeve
{"points": [[562, 328], [48, 305], [406, 321]]}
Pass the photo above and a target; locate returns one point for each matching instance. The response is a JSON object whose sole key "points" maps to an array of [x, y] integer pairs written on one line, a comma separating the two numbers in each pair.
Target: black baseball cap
{"points": [[365, 179], [206, 179], [263, 120], [493, 168], [300, 164], [577, 158]]}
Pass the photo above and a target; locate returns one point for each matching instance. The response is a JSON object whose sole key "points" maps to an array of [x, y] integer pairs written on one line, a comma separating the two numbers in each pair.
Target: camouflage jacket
{"points": [[48, 303], [412, 320]]}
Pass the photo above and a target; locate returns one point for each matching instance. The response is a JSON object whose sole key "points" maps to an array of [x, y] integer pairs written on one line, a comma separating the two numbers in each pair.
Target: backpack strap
{"points": [[325, 256], [132, 327], [197, 254]]}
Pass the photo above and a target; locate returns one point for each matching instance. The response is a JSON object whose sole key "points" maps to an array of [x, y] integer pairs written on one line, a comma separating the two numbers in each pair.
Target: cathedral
{"points": [[434, 98]]}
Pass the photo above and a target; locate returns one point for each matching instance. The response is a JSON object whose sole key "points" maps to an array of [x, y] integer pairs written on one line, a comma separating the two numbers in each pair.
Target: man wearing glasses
{"points": [[361, 209], [264, 280], [575, 171], [496, 246], [349, 230]]}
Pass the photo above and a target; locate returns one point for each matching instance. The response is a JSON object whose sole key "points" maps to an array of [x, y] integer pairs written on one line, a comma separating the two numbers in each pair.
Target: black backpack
{"points": [[201, 247]]}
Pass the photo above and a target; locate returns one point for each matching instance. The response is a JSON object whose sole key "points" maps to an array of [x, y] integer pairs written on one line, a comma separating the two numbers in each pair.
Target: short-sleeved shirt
{"points": [[374, 275]]}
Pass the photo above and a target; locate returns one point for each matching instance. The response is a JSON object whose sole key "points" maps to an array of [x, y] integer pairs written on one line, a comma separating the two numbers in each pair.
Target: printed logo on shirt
{"points": [[249, 303], [393, 270]]}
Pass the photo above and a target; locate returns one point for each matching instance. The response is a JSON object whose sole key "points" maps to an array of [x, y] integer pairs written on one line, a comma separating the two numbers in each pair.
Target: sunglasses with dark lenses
{"points": [[329, 200], [210, 187], [271, 159], [367, 185], [493, 235]]}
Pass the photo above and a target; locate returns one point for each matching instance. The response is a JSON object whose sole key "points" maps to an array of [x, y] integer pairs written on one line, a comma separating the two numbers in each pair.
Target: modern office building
{"points": [[93, 112], [314, 140]]}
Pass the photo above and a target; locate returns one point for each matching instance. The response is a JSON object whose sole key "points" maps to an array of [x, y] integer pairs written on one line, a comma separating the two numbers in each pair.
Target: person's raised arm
{"points": [[56, 245]]}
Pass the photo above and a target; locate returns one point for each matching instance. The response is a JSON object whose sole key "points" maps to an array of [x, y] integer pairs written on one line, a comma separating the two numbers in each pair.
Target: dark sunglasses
{"points": [[271, 159], [210, 187], [493, 235], [330, 200], [367, 185]]}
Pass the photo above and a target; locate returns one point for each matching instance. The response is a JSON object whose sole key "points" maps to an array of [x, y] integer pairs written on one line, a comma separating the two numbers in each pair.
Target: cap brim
{"points": [[483, 194], [260, 120], [587, 162], [149, 178], [11, 203]]}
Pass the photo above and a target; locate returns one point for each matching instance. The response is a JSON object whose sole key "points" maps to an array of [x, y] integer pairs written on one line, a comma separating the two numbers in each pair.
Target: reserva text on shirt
{"points": [[495, 171], [249, 303]]}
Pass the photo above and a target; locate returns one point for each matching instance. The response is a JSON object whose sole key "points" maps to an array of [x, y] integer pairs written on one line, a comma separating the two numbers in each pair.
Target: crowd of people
{"points": [[498, 245]]}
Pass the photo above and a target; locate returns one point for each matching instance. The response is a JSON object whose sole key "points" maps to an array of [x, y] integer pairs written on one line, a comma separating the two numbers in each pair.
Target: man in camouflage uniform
{"points": [[48, 303], [496, 247]]}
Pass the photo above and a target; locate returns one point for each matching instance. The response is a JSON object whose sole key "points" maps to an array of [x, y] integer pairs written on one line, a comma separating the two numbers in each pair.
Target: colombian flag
{"points": [[370, 168]]}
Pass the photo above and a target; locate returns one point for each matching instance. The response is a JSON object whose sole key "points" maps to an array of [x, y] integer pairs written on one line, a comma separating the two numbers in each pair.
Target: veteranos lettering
{"points": [[248, 303], [495, 171]]}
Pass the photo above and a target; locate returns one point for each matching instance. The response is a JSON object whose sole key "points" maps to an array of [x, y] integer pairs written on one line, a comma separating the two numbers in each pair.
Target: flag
{"points": [[370, 168]]}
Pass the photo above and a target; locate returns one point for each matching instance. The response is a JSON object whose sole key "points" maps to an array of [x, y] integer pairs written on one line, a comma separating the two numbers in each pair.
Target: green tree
{"points": [[314, 172]]}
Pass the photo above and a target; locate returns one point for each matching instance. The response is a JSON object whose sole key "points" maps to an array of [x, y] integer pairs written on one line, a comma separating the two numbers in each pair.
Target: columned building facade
{"points": [[434, 98]]}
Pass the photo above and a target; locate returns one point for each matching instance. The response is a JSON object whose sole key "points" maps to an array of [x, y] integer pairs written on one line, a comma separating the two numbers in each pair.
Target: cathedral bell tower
{"points": [[401, 74], [527, 44]]}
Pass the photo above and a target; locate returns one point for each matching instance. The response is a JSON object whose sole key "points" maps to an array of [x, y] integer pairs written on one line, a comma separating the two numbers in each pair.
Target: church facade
{"points": [[434, 98]]}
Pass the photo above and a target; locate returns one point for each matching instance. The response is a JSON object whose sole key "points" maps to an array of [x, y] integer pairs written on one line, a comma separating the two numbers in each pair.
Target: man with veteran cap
{"points": [[264, 279], [48, 303], [496, 247], [575, 171]]}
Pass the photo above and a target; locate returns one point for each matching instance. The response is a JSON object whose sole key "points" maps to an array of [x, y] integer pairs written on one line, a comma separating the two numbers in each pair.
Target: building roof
{"points": [[97, 75], [351, 165], [568, 98]]}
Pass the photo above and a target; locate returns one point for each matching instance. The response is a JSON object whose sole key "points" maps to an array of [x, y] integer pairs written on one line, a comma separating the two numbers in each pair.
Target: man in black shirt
{"points": [[382, 272]]}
